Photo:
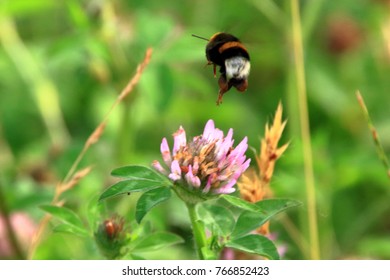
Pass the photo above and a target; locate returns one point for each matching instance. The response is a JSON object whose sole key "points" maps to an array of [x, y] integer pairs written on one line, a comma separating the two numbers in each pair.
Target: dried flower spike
{"points": [[254, 185], [208, 163]]}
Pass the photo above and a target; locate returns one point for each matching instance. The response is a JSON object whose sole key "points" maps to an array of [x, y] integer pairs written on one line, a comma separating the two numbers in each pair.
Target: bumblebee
{"points": [[226, 51]]}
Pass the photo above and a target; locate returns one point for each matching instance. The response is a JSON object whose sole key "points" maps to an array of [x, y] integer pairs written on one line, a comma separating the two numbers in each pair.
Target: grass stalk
{"points": [[375, 136], [305, 130]]}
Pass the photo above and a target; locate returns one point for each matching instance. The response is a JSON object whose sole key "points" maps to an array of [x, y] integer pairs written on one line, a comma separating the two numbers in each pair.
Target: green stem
{"points": [[198, 230], [305, 130]]}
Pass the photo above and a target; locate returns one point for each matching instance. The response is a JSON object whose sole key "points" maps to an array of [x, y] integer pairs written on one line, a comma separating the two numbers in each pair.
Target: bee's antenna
{"points": [[203, 38]]}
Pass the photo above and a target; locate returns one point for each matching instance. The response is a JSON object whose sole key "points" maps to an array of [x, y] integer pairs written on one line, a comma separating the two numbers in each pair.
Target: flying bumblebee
{"points": [[226, 51]]}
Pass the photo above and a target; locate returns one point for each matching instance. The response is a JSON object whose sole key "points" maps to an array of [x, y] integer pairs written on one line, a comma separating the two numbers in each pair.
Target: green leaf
{"points": [[240, 203], [255, 244], [150, 199], [249, 221], [156, 241], [94, 211], [127, 186], [137, 172], [64, 214], [219, 220], [67, 228], [137, 257]]}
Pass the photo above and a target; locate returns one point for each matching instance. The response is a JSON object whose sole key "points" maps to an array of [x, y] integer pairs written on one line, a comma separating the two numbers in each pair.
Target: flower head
{"points": [[208, 163], [110, 237]]}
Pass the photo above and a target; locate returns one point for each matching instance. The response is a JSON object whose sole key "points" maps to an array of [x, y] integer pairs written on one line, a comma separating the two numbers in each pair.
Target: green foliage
{"points": [[137, 172], [113, 237], [235, 231], [66, 228], [150, 199], [255, 244], [140, 179], [58, 81], [219, 220], [73, 223], [156, 241], [127, 186], [240, 203], [249, 220]]}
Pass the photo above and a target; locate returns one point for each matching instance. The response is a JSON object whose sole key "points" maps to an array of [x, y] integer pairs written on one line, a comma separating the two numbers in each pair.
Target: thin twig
{"points": [[73, 177], [99, 129]]}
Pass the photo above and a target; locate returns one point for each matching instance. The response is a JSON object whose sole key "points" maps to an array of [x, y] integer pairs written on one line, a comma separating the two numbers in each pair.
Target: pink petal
{"points": [[241, 169], [218, 134], [208, 129], [166, 153], [208, 186], [228, 141], [195, 165], [175, 171], [239, 160], [240, 149], [227, 188], [243, 146], [179, 140], [156, 165], [191, 179], [225, 146], [196, 182], [246, 165]]}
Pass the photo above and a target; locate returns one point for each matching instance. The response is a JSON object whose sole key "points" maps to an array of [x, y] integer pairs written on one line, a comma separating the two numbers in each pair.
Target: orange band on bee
{"points": [[216, 34], [229, 45]]}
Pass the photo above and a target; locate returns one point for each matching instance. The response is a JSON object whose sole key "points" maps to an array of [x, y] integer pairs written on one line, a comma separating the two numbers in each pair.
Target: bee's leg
{"points": [[223, 88], [214, 67], [219, 99], [241, 86]]}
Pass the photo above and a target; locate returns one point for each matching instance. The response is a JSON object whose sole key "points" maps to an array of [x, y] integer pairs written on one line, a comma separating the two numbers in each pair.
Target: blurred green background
{"points": [[63, 63]]}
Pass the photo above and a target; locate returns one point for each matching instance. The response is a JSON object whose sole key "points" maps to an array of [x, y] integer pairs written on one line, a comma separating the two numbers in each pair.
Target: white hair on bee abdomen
{"points": [[237, 67]]}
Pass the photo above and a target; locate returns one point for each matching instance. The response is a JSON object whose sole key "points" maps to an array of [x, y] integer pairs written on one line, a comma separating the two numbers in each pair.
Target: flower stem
{"points": [[198, 230]]}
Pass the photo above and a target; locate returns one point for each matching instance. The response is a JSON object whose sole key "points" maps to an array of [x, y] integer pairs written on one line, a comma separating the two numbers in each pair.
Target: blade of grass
{"points": [[305, 129], [44, 91], [375, 136]]}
